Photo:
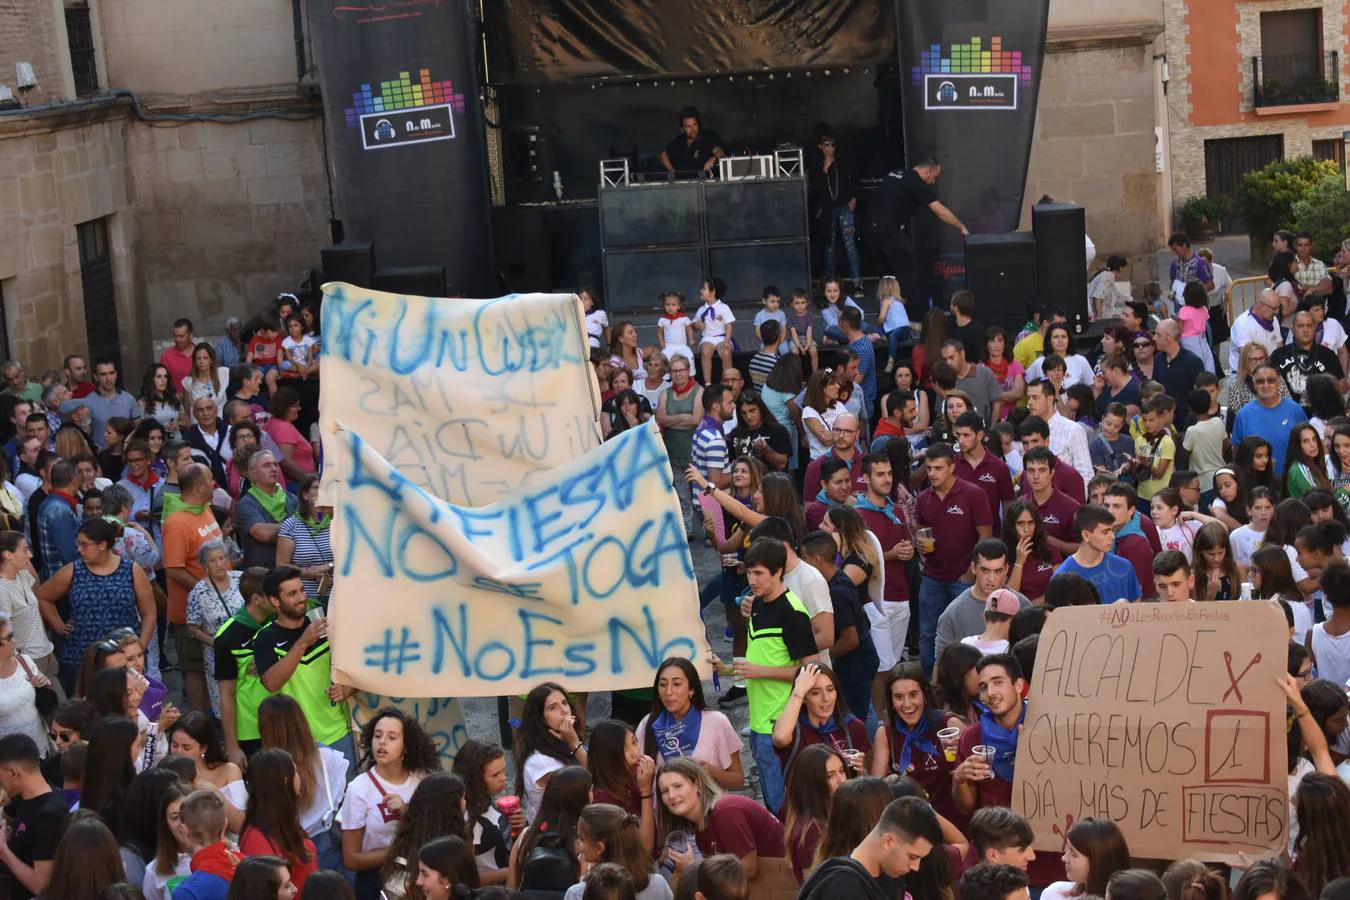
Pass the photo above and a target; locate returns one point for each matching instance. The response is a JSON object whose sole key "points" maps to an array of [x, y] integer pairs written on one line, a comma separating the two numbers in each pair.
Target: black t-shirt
{"points": [[1296, 365], [899, 198], [971, 336], [274, 641], [233, 645], [35, 828], [846, 598], [776, 437], [692, 157]]}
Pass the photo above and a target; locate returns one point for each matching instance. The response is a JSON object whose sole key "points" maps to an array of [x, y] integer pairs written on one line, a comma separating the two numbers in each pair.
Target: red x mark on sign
{"points": [[1233, 680]]}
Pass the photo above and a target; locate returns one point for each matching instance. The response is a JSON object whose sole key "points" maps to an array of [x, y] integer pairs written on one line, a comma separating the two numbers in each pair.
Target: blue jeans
{"points": [[934, 596], [710, 591], [770, 770], [900, 337], [841, 224], [328, 845]]}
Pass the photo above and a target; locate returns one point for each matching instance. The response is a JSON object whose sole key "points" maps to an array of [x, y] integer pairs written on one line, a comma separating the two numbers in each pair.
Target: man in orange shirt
{"points": [[188, 524]]}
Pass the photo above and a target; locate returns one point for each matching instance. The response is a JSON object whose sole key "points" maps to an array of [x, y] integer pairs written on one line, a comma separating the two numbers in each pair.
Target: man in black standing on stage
{"points": [[693, 150], [890, 217]]}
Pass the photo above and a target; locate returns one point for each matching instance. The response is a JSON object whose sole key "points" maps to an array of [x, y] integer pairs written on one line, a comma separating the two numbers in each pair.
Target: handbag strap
{"points": [[327, 788], [370, 773], [23, 662]]}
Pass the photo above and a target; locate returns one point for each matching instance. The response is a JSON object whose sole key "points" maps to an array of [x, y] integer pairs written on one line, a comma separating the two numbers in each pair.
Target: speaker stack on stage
{"points": [[1061, 270], [748, 229], [350, 261], [1013, 274]]}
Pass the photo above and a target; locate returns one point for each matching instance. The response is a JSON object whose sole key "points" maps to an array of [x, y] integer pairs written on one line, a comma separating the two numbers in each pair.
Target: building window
{"points": [[1293, 67], [1332, 149], [80, 36]]}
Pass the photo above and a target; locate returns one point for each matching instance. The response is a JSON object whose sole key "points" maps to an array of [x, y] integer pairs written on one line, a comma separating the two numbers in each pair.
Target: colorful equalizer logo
{"points": [[971, 77], [405, 111]]}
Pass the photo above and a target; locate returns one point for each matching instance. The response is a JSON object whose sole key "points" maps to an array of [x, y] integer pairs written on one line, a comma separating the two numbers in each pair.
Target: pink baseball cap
{"points": [[1003, 601]]}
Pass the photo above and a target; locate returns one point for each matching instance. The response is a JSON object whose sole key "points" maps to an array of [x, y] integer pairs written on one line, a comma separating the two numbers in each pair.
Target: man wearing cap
{"points": [[230, 349], [75, 417], [964, 616]]}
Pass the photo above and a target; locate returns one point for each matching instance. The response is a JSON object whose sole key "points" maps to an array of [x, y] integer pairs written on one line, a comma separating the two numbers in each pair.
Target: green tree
{"points": [[1268, 195], [1325, 214]]}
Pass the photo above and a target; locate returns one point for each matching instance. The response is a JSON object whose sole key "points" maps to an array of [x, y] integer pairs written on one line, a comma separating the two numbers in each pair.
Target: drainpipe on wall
{"points": [[298, 24]]}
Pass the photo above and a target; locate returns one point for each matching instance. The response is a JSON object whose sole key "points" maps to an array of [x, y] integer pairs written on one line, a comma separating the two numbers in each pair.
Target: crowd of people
{"points": [[894, 515]]}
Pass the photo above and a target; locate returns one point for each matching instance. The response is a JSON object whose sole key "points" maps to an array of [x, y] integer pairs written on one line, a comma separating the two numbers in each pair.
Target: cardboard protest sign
{"points": [[582, 576], [469, 399], [1165, 719]]}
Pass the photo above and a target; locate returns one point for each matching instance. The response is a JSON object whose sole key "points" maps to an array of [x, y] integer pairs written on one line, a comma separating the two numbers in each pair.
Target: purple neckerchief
{"points": [[1268, 325], [708, 312]]}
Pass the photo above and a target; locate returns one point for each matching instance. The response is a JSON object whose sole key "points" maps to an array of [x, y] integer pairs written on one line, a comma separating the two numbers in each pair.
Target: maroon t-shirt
{"points": [[802, 848], [738, 825], [1150, 529], [930, 771], [889, 534], [632, 805], [1137, 551], [1064, 478], [1037, 572], [992, 477], [953, 519], [857, 736], [811, 485], [1057, 516]]}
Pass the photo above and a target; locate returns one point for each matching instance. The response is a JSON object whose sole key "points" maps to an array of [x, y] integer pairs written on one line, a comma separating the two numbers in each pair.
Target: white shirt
{"points": [[715, 323], [1077, 370], [1245, 541], [653, 396], [361, 809], [813, 590], [674, 331], [1180, 536], [988, 648], [329, 791], [818, 447], [1333, 334], [537, 767], [1246, 330], [1332, 653], [1068, 441], [597, 320]]}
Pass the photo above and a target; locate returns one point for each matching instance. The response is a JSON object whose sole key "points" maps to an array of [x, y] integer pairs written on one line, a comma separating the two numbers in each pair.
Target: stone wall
{"points": [[230, 215], [1094, 145], [57, 172]]}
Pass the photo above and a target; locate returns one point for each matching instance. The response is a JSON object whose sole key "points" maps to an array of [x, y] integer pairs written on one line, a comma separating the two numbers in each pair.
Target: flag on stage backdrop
{"points": [[971, 71]]}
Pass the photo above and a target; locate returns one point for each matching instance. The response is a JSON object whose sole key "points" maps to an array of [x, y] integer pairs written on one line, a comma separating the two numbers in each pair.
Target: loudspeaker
{"points": [[350, 261], [755, 211], [635, 279], [1001, 273], [1061, 270], [748, 267], [523, 249], [420, 281]]}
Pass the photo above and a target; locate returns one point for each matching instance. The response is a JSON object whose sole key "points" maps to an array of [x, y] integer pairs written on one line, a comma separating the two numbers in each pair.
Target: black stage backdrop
{"points": [[971, 71], [405, 133], [531, 41]]}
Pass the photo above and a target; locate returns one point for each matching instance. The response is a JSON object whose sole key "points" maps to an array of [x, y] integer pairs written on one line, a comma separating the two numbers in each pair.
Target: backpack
{"points": [[549, 869]]}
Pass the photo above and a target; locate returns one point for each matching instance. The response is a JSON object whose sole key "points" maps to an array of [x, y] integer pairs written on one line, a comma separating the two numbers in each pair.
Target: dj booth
{"points": [[747, 224]]}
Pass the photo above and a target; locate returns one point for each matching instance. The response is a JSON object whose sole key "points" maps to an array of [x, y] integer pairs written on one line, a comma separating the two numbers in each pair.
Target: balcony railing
{"points": [[1296, 79]]}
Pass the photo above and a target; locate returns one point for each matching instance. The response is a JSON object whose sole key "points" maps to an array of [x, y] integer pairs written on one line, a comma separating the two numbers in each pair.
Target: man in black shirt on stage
{"points": [[891, 211], [693, 151]]}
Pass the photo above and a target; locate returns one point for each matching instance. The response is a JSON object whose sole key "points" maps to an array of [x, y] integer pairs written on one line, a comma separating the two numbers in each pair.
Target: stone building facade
{"points": [[1097, 124], [1214, 120], [207, 190]]}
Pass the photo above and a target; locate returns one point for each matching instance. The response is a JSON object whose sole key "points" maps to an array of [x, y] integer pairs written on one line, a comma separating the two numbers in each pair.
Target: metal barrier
{"points": [[1242, 295]]}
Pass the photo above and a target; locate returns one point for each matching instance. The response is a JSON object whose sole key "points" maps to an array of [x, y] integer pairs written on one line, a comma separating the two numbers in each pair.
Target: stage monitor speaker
{"points": [[755, 211], [350, 261], [420, 281], [523, 249], [747, 268], [1061, 267], [651, 214], [1001, 273], [635, 279]]}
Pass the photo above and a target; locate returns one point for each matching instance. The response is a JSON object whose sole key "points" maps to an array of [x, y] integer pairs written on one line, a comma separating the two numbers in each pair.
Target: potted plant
{"points": [[1268, 196], [1202, 217]]}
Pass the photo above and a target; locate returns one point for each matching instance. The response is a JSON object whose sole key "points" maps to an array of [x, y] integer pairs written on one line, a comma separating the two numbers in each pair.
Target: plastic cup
{"points": [[678, 841], [949, 738], [509, 805], [925, 538], [986, 753]]}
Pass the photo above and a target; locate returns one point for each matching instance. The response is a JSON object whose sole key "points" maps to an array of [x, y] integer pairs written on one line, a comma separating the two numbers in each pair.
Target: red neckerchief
{"points": [[677, 392], [74, 504], [148, 483]]}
